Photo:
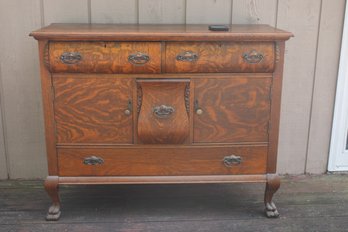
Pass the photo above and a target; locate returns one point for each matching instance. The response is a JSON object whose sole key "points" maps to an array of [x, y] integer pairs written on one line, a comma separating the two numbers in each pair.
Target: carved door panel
{"points": [[163, 107], [231, 110], [93, 110]]}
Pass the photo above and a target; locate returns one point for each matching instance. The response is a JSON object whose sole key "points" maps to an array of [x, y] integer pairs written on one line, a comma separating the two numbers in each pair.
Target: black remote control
{"points": [[218, 28]]}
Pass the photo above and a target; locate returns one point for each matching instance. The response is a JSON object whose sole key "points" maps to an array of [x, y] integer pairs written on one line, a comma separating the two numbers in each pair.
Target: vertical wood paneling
{"points": [[65, 11], [21, 89], [254, 12], [330, 33], [110, 11], [162, 11], [309, 76], [301, 18], [3, 161], [208, 11]]}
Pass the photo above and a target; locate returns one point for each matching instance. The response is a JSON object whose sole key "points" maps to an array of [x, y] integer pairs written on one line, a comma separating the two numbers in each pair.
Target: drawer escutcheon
{"points": [[187, 56], [231, 160], [71, 57], [138, 58], [163, 111], [93, 160], [253, 57]]}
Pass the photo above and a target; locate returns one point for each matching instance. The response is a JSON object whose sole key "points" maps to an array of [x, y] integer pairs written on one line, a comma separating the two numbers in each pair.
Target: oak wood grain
{"points": [[219, 57], [234, 109], [199, 179], [158, 32], [168, 129], [93, 110], [48, 107], [105, 57], [162, 162]]}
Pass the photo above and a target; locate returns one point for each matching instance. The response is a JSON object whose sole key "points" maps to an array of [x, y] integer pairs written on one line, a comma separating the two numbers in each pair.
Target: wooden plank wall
{"points": [[309, 76]]}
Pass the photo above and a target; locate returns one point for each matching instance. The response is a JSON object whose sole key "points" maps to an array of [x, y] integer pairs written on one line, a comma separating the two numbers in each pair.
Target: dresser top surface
{"points": [[159, 32]]}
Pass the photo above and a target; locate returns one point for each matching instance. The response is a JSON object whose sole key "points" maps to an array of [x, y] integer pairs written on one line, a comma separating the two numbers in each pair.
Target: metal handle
{"points": [[163, 111], [253, 57], [138, 58], [70, 57], [187, 56], [128, 111], [198, 110], [93, 160], [231, 160]]}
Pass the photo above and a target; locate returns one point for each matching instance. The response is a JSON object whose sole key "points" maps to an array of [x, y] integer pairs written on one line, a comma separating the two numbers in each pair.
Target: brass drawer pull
{"points": [[138, 58], [70, 57], [163, 111], [93, 160], [231, 160], [253, 57], [187, 56]]}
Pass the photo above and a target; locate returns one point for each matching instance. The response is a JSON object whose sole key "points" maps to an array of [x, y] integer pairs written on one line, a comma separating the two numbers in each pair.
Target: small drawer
{"points": [[167, 161], [223, 57], [105, 57]]}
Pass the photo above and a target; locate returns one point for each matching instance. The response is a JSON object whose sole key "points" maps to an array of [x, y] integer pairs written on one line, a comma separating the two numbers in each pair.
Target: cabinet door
{"points": [[232, 110], [93, 109]]}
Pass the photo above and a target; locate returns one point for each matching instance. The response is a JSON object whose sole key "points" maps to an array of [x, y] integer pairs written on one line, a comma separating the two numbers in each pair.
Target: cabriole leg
{"points": [[272, 185], [51, 186]]}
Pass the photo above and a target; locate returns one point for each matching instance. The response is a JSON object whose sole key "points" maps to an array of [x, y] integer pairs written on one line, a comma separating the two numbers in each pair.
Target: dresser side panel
{"points": [[47, 98], [275, 108]]}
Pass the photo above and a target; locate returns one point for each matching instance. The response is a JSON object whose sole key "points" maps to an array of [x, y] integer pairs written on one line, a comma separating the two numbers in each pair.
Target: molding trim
{"points": [[338, 159]]}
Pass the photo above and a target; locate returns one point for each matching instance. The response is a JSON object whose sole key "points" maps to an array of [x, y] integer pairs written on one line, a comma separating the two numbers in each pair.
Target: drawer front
{"points": [[231, 110], [162, 161], [192, 57], [163, 108], [105, 57], [93, 110]]}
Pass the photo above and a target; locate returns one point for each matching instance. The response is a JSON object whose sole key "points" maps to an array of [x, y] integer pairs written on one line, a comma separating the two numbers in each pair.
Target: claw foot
{"points": [[53, 213], [271, 210]]}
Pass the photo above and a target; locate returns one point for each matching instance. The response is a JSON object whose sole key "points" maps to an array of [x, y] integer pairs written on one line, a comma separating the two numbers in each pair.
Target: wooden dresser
{"points": [[141, 104]]}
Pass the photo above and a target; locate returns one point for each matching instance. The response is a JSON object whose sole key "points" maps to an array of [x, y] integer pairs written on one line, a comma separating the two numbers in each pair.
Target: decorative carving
{"points": [[277, 51], [253, 57], [139, 97], [138, 58], [46, 56], [187, 97], [272, 185], [231, 160], [51, 187]]}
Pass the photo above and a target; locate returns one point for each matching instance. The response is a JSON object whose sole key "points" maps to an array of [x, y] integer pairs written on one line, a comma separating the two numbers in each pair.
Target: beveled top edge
{"points": [[158, 32]]}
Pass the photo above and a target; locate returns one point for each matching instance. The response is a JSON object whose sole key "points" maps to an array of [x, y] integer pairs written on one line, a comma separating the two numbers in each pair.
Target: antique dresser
{"points": [[141, 104]]}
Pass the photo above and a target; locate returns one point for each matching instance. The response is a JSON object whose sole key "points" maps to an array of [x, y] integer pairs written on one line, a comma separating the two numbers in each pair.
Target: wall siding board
{"points": [[329, 41], [3, 161], [65, 11], [208, 11], [301, 18], [310, 71], [254, 12], [21, 89], [162, 11], [110, 11]]}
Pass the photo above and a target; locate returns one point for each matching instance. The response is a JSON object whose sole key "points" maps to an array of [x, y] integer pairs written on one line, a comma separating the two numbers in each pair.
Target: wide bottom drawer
{"points": [[162, 161]]}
